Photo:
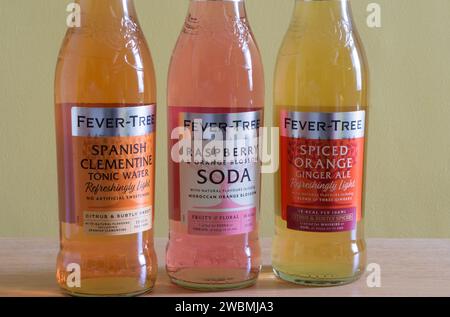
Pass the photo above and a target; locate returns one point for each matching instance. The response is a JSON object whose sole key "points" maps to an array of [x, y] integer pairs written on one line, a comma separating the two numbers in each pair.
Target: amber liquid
{"points": [[321, 68], [104, 62]]}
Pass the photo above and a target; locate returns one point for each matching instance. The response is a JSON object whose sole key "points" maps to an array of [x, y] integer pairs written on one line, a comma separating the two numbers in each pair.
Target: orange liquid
{"points": [[104, 63]]}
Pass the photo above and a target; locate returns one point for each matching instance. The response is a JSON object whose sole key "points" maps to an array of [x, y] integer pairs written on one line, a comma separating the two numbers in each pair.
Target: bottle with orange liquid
{"points": [[321, 99], [216, 87], [105, 96]]}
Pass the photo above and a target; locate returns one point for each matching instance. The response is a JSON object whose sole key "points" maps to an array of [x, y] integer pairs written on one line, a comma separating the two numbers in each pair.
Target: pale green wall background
{"points": [[408, 190]]}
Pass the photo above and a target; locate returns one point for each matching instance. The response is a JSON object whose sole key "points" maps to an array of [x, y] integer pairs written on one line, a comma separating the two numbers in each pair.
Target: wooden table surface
{"points": [[408, 268]]}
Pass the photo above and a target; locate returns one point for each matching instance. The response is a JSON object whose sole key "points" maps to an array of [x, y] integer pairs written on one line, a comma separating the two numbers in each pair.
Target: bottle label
{"points": [[112, 158], [322, 161], [218, 182]]}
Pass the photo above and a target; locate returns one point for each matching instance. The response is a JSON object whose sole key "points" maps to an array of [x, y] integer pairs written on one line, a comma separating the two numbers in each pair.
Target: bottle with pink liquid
{"points": [[216, 96]]}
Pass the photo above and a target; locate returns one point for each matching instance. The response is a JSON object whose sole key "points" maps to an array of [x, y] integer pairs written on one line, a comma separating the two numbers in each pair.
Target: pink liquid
{"points": [[216, 69]]}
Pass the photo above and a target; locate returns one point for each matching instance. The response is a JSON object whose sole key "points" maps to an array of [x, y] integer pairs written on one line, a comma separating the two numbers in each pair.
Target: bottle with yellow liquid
{"points": [[321, 99], [105, 95]]}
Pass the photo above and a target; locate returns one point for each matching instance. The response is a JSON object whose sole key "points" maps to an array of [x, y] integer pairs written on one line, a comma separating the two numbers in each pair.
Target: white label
{"points": [[323, 125], [114, 121], [220, 196], [117, 222]]}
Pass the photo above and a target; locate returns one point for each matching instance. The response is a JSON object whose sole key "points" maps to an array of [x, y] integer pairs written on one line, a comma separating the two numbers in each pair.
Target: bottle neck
{"points": [[106, 12], [322, 11], [217, 10]]}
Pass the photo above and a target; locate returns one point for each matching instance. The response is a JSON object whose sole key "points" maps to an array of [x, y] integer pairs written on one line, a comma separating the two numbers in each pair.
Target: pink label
{"points": [[217, 181], [321, 220], [221, 223]]}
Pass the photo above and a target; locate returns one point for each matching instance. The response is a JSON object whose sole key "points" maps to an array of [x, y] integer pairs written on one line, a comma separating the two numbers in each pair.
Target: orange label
{"points": [[322, 160], [113, 164]]}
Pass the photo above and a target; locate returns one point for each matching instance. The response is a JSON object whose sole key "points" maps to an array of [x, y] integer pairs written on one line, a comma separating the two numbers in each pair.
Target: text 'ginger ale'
{"points": [[105, 96], [321, 99]]}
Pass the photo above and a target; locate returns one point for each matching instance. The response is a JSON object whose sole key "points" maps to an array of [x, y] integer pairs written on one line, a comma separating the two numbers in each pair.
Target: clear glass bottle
{"points": [[216, 76], [321, 100], [105, 96]]}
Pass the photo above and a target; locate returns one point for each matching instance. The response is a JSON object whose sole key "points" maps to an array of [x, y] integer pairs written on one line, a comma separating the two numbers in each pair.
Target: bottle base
{"points": [[82, 294], [87, 294], [205, 287], [106, 288], [316, 281], [213, 279]]}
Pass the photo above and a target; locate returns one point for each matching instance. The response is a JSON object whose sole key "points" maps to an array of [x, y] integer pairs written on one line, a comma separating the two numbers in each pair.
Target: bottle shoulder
{"points": [[101, 65], [122, 48], [342, 36], [327, 68], [341, 50], [216, 65]]}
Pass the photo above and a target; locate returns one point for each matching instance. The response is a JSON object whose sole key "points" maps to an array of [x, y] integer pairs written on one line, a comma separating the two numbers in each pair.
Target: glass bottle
{"points": [[321, 104], [215, 79], [105, 96]]}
